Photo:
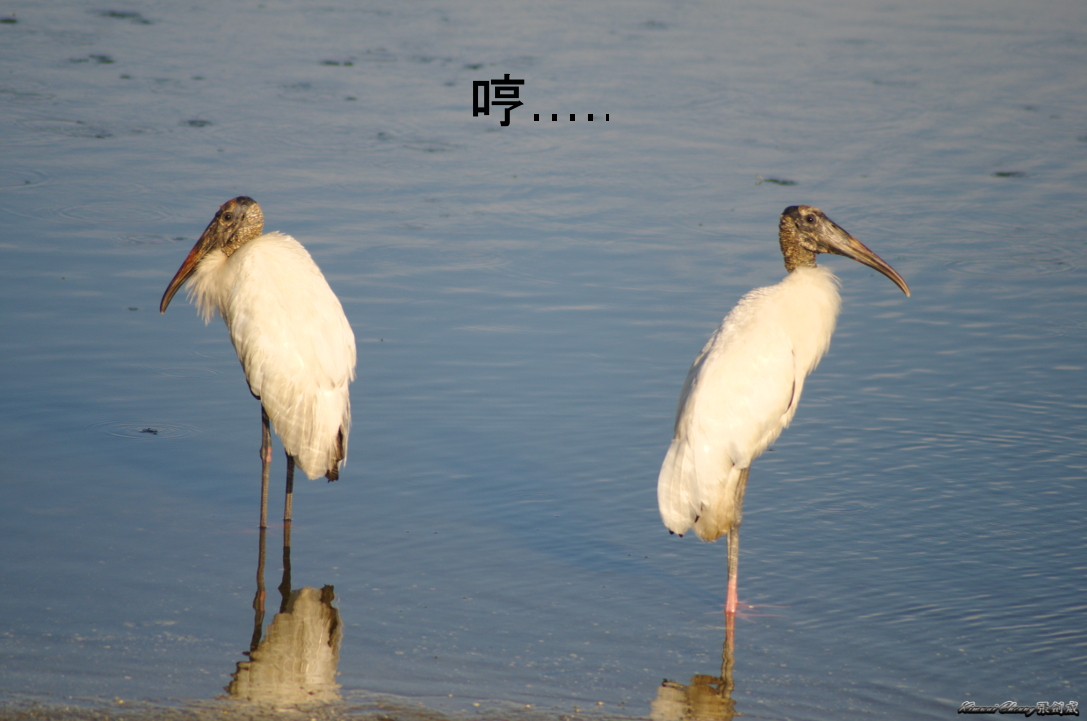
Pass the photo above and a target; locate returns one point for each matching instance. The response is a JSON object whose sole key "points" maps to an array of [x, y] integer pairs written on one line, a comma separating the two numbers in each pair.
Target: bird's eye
{"points": [[228, 217], [810, 219]]}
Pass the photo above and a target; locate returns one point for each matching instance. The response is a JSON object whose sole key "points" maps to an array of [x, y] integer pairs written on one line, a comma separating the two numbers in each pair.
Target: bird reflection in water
{"points": [[295, 663], [706, 698]]}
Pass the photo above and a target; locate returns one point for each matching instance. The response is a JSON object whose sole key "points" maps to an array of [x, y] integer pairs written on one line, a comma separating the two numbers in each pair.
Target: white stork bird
{"points": [[290, 332], [744, 386]]}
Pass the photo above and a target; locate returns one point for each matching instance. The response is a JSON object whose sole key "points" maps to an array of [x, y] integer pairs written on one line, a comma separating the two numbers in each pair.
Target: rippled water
{"points": [[527, 300]]}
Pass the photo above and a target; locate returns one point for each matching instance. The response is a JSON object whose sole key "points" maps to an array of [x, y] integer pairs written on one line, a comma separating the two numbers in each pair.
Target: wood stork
{"points": [[290, 333], [744, 386]]}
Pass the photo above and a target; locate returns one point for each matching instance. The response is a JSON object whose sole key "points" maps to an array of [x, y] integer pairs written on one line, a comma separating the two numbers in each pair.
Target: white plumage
{"points": [[744, 386], [298, 357], [741, 392], [288, 328]]}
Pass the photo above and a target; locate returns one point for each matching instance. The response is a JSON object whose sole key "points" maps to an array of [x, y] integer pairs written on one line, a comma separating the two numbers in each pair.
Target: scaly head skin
{"points": [[237, 222], [805, 231]]}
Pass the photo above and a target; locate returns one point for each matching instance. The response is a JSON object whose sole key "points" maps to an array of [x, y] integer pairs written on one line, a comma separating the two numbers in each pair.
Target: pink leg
{"points": [[733, 562], [734, 545]]}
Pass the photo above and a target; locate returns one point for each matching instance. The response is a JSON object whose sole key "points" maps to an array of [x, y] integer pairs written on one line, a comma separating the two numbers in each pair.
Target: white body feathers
{"points": [[741, 392], [292, 338]]}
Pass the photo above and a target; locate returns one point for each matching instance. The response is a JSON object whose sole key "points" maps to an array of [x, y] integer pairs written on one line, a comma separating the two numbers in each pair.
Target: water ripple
{"points": [[21, 177], [63, 126], [115, 210], [1009, 267], [148, 239], [25, 96], [188, 372], [143, 431]]}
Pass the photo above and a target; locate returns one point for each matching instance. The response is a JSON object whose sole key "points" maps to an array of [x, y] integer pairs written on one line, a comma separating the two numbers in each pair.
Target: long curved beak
{"points": [[185, 271], [840, 242]]}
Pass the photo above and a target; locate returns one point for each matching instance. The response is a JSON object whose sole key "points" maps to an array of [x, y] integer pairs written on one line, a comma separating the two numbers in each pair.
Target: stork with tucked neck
{"points": [[289, 330]]}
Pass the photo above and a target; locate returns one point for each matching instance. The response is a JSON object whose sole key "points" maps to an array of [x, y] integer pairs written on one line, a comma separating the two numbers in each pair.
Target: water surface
{"points": [[527, 300]]}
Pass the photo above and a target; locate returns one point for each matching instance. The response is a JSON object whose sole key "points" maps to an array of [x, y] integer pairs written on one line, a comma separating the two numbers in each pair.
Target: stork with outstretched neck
{"points": [[744, 386], [290, 333]]}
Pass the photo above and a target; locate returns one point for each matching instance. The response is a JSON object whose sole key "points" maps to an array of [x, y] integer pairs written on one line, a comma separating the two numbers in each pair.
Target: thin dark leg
{"points": [[285, 584], [265, 464], [734, 544], [258, 600], [290, 491]]}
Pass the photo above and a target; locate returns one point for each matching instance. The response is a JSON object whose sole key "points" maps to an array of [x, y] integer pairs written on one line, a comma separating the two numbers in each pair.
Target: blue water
{"points": [[527, 300]]}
